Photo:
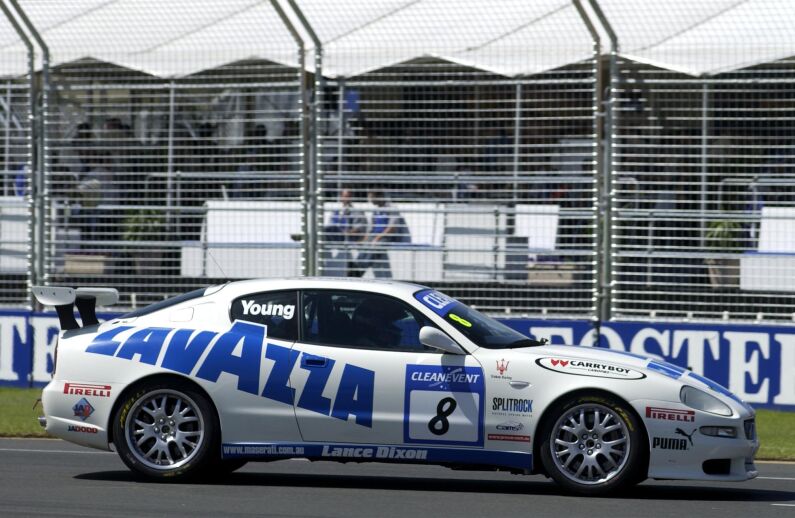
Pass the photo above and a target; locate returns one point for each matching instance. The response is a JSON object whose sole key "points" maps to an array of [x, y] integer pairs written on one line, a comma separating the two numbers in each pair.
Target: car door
{"points": [[364, 378], [266, 415]]}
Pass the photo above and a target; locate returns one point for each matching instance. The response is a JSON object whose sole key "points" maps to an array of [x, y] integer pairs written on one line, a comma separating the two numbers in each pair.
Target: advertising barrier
{"points": [[755, 362]]}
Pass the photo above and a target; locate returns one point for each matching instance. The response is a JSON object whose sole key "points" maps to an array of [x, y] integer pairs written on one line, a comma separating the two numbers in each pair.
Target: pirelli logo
{"points": [[670, 414], [86, 389]]}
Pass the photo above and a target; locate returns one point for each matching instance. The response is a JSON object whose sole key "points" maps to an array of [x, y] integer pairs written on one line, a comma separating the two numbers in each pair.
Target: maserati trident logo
{"points": [[502, 366], [689, 436]]}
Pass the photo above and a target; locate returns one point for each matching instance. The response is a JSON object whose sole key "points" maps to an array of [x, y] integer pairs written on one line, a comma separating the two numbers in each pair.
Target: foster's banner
{"points": [[755, 362]]}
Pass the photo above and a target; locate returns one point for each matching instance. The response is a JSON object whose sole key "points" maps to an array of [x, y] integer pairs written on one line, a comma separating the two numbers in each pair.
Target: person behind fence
{"points": [[387, 226], [347, 225]]}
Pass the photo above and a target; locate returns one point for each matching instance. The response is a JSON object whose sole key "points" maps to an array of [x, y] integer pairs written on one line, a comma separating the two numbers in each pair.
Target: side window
{"points": [[365, 320], [277, 310]]}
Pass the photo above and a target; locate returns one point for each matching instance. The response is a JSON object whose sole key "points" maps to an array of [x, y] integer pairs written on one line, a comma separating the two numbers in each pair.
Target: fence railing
{"points": [[596, 187]]}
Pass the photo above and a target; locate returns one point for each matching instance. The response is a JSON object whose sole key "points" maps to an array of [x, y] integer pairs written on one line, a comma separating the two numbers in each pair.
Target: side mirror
{"points": [[432, 337]]}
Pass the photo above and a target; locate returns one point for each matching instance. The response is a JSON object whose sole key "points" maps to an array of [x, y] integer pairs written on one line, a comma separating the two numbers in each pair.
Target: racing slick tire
{"points": [[167, 430], [594, 445]]}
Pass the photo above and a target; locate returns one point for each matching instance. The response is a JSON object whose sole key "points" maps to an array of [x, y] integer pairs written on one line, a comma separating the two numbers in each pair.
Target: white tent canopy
{"points": [[509, 37]]}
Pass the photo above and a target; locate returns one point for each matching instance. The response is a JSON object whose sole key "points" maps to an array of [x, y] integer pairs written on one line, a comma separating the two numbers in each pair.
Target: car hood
{"points": [[625, 365]]}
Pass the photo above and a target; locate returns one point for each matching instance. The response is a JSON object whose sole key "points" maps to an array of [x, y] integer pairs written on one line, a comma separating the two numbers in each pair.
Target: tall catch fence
{"points": [[16, 165], [558, 158], [703, 178]]}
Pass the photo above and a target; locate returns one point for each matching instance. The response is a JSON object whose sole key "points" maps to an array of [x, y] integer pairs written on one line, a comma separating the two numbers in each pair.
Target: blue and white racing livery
{"points": [[366, 371]]}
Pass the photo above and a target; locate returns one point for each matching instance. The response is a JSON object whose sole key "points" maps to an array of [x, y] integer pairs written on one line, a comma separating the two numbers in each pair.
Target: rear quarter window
{"points": [[277, 310]]}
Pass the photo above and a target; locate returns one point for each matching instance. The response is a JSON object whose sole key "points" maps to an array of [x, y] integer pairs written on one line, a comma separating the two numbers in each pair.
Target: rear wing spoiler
{"points": [[85, 299]]}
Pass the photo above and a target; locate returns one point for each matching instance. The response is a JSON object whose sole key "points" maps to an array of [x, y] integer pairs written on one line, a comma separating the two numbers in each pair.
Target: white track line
{"points": [[784, 505], [27, 450], [776, 478]]}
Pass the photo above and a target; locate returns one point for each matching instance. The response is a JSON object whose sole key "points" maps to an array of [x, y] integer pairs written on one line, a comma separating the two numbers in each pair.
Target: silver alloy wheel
{"points": [[164, 429], [590, 444]]}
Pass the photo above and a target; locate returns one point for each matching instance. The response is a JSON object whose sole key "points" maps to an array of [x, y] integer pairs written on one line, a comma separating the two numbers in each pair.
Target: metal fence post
{"points": [[33, 116], [606, 193], [312, 143], [38, 184], [304, 125], [598, 135]]}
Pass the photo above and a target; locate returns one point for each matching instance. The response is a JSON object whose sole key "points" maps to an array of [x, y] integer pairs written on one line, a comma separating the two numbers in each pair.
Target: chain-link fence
{"points": [[482, 149], [448, 173], [704, 193], [184, 171], [16, 163], [703, 165]]}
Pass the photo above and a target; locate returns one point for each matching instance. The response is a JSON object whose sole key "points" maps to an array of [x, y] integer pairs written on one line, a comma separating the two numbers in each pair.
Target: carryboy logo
{"points": [[250, 307], [589, 368]]}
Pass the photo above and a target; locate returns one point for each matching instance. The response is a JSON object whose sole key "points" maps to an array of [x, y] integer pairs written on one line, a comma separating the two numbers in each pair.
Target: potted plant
{"points": [[144, 225], [725, 236]]}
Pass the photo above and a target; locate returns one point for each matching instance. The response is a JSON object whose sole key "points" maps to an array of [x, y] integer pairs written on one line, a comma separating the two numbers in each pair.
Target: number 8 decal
{"points": [[443, 410], [444, 404]]}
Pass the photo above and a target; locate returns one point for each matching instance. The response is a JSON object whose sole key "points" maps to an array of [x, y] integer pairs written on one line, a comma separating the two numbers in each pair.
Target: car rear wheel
{"points": [[166, 431], [594, 445]]}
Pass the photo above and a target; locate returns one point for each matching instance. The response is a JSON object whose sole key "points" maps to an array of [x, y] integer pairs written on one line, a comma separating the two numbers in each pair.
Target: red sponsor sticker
{"points": [[562, 363], [86, 389], [670, 414], [507, 437]]}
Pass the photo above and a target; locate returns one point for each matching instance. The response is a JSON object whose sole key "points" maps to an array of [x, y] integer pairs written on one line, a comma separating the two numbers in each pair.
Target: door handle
{"points": [[519, 384], [313, 361]]}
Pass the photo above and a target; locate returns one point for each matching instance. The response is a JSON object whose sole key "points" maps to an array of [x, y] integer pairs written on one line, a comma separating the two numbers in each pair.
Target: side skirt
{"points": [[375, 453]]}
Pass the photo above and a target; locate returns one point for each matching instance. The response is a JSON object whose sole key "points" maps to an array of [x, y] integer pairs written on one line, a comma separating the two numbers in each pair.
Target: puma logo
{"points": [[689, 436]]}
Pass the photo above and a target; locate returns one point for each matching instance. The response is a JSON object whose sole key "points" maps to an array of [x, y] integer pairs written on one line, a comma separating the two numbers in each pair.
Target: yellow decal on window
{"points": [[460, 320]]}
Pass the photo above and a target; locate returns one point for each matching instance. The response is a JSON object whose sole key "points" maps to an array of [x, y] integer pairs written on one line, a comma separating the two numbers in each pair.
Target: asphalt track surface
{"points": [[54, 478]]}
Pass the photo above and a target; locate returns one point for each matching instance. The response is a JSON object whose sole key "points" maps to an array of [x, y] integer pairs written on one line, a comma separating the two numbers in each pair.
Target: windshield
{"points": [[482, 330]]}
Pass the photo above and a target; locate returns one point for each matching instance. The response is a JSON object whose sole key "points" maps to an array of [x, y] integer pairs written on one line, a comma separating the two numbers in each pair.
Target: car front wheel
{"points": [[594, 445]]}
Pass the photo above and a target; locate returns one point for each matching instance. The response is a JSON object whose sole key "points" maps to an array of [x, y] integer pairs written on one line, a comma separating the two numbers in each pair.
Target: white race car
{"points": [[363, 371]]}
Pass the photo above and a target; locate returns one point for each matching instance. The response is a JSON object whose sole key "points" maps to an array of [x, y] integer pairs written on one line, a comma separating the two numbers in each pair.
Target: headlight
{"points": [[700, 400], [720, 431]]}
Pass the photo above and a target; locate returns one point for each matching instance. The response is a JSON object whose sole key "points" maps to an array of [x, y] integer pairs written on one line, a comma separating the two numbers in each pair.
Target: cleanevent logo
{"points": [[353, 395]]}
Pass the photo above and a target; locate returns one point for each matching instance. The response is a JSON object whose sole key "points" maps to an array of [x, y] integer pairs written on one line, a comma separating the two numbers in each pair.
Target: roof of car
{"points": [[340, 283]]}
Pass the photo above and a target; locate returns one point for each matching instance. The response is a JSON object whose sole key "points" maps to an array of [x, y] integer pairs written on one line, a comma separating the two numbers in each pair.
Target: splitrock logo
{"points": [[268, 310], [511, 406], [83, 409]]}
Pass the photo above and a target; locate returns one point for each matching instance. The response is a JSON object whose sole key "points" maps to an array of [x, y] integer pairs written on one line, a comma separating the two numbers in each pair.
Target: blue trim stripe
{"points": [[377, 453]]}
